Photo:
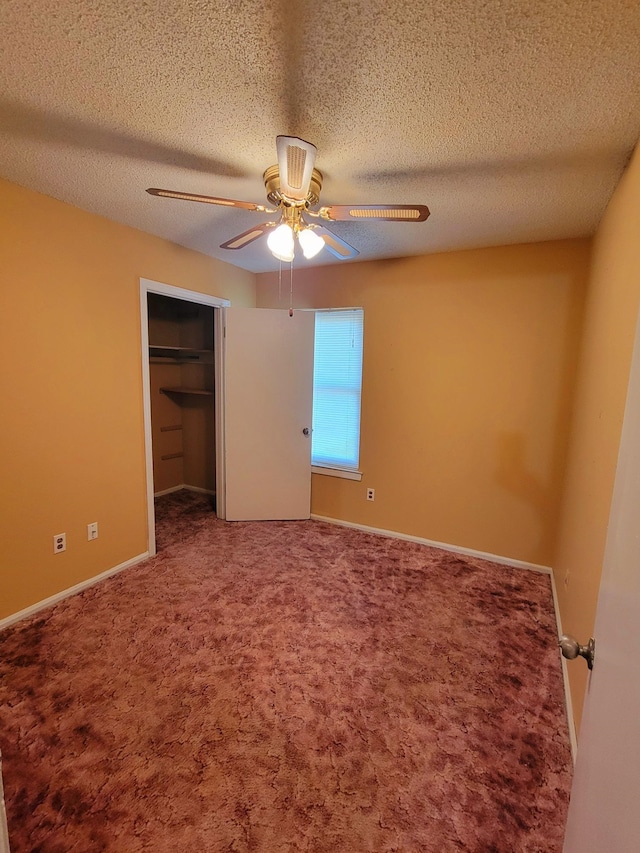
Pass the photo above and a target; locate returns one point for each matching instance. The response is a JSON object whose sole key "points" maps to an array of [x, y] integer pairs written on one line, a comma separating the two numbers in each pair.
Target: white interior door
{"points": [[4, 832], [604, 813], [268, 367]]}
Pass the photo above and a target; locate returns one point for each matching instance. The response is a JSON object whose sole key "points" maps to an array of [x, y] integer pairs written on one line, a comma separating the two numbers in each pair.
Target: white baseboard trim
{"points": [[573, 737], [184, 486], [72, 590], [199, 489], [443, 546], [168, 491]]}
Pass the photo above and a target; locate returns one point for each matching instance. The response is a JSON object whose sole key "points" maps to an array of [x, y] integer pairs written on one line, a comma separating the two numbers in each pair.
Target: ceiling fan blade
{"points": [[336, 245], [242, 240], [296, 159], [386, 212], [209, 199]]}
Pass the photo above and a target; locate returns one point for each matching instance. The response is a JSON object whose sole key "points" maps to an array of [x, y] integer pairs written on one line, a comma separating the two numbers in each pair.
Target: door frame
{"points": [[148, 286]]}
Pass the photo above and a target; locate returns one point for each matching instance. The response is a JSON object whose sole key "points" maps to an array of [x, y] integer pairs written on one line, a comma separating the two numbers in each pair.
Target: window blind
{"points": [[337, 383]]}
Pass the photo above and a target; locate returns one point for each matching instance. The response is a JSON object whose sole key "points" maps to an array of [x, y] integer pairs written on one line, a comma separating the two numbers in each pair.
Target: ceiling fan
{"points": [[293, 187]]}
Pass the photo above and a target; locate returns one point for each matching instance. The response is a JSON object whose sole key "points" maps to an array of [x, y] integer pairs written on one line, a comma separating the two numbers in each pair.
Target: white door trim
{"points": [[149, 286]]}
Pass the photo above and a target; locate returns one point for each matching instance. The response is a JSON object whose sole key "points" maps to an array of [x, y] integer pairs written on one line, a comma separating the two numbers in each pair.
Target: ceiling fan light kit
{"points": [[310, 242], [281, 244], [293, 187]]}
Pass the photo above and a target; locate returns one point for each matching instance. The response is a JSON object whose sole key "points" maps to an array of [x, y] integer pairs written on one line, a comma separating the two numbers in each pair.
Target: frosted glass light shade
{"points": [[280, 242], [311, 243]]}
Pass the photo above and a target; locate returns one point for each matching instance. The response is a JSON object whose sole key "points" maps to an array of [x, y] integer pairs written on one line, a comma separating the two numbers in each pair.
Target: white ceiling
{"points": [[511, 119]]}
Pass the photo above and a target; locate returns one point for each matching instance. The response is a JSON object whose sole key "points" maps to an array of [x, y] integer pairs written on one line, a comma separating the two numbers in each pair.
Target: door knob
{"points": [[571, 649], [305, 431]]}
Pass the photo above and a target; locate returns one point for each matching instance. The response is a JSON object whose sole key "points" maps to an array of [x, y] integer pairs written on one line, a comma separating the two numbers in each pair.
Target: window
{"points": [[337, 382]]}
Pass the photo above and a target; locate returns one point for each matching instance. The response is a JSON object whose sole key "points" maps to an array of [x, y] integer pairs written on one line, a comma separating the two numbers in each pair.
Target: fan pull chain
{"points": [[291, 290], [279, 282]]}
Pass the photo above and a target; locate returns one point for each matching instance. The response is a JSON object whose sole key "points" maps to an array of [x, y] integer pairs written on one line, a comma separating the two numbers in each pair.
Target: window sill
{"points": [[336, 472]]}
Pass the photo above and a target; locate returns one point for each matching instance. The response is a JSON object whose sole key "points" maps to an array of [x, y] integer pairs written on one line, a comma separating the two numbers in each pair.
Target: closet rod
{"points": [[170, 428]]}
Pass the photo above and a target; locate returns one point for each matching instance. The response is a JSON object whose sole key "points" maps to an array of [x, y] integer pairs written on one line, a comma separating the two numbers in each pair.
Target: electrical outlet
{"points": [[371, 494], [59, 543], [92, 531]]}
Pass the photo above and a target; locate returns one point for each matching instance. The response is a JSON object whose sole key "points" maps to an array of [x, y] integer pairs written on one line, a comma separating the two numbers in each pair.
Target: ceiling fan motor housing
{"points": [[272, 185]]}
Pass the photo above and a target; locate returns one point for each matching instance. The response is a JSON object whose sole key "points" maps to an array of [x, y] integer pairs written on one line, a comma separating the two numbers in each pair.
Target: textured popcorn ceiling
{"points": [[511, 120]]}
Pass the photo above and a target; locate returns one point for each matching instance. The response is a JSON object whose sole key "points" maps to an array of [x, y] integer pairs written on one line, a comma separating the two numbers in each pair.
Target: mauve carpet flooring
{"points": [[287, 686]]}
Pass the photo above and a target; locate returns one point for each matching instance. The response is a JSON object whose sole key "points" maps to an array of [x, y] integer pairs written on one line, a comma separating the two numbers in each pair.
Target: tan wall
{"points": [[469, 363], [609, 327], [71, 430]]}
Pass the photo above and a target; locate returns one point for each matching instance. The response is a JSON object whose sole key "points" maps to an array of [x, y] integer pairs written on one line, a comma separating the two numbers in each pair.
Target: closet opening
{"points": [[180, 354]]}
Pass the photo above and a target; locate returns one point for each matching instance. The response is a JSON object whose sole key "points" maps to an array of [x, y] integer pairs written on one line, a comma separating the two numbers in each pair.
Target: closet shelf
{"points": [[200, 391], [185, 354]]}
